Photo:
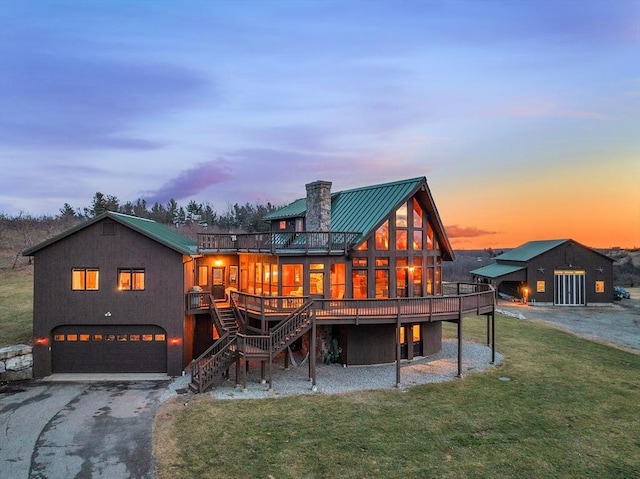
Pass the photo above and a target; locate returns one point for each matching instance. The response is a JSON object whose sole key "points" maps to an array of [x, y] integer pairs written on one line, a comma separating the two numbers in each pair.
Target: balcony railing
{"points": [[332, 242]]}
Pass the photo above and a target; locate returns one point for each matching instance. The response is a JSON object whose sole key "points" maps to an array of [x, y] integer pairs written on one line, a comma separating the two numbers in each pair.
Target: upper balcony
{"points": [[286, 242]]}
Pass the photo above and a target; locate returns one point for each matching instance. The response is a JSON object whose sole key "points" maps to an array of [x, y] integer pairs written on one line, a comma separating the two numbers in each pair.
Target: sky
{"points": [[524, 116]]}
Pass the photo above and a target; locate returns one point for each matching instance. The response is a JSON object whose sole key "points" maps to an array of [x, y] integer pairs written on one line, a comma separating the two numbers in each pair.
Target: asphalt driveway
{"points": [[78, 430]]}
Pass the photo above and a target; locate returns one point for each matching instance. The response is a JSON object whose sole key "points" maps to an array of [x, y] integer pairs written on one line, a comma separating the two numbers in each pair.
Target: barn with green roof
{"points": [[560, 272]]}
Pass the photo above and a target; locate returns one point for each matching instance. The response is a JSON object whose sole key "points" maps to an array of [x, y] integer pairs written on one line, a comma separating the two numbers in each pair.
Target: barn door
{"points": [[569, 288]]}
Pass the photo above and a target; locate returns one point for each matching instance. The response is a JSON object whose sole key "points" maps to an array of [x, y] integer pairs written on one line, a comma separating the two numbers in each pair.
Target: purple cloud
{"points": [[192, 181], [70, 96]]}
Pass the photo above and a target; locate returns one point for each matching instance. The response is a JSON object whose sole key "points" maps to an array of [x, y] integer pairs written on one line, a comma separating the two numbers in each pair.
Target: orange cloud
{"points": [[455, 231]]}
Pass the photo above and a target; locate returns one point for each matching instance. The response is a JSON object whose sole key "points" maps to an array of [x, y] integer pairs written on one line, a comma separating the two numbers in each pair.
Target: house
{"points": [[555, 272], [352, 276]]}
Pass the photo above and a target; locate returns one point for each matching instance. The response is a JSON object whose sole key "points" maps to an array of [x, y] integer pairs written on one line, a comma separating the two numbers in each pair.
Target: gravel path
{"points": [[617, 324], [334, 379]]}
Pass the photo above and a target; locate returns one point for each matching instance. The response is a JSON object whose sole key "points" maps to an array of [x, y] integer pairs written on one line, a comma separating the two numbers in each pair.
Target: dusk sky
{"points": [[523, 115]]}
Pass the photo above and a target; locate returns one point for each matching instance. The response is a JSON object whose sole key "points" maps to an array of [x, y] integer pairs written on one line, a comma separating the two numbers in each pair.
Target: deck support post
{"points": [[312, 352], [286, 359], [488, 331], [262, 369], [244, 375], [238, 369], [398, 349], [493, 337], [460, 345]]}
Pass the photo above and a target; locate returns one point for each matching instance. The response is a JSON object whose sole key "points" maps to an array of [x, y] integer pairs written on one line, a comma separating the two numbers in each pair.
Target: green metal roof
{"points": [[362, 210], [530, 250], [156, 231], [495, 270], [359, 209], [293, 210]]}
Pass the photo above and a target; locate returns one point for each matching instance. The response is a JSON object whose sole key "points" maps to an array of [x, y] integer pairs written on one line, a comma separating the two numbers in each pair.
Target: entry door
{"points": [[569, 288], [217, 284]]}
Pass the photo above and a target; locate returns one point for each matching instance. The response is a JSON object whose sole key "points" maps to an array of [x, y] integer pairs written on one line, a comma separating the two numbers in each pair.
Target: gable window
{"points": [[130, 279], [84, 279], [417, 214], [401, 216], [382, 236], [401, 239]]}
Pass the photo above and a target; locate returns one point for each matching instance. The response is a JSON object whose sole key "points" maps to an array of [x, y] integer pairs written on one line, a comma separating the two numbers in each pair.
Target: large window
{"points": [[130, 279], [337, 279], [84, 279], [316, 278], [359, 278], [203, 275], [292, 280], [382, 283]]}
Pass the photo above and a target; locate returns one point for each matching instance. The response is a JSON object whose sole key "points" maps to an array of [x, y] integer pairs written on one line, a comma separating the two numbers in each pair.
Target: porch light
{"points": [[218, 262], [41, 341], [175, 341]]}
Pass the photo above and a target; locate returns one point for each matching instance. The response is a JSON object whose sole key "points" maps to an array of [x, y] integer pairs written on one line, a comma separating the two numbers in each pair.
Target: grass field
{"points": [[571, 409], [16, 306]]}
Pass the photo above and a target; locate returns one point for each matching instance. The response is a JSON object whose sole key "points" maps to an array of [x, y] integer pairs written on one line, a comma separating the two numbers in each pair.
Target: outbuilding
{"points": [[554, 272]]}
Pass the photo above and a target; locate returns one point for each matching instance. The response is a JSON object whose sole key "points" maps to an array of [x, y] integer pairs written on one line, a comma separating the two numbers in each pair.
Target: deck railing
{"points": [[332, 242], [472, 297]]}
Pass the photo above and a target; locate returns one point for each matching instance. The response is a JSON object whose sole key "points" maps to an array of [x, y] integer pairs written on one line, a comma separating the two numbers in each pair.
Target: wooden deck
{"points": [[467, 299]]}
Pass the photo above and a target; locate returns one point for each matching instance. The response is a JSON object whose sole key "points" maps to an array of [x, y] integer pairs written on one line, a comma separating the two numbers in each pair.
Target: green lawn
{"points": [[570, 410], [16, 306]]}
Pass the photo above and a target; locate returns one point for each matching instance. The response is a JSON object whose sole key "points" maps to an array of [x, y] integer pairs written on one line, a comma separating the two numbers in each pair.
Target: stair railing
{"points": [[240, 322], [291, 328], [216, 359], [215, 315]]}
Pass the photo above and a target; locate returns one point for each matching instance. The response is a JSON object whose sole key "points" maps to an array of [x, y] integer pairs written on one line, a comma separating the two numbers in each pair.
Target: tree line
{"points": [[23, 230], [247, 217]]}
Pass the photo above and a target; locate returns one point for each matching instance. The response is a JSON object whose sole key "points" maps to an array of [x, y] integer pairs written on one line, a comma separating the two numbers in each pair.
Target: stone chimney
{"points": [[319, 206]]}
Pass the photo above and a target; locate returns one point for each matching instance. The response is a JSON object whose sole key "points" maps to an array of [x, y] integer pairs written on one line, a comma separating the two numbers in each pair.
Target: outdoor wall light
{"points": [[108, 314], [41, 341], [175, 341]]}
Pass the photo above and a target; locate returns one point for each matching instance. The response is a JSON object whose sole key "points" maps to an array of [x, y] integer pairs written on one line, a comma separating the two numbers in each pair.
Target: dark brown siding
{"points": [[161, 303], [371, 344], [571, 255], [431, 338]]}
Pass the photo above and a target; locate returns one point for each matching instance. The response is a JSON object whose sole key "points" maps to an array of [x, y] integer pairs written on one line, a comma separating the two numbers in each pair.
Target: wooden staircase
{"points": [[228, 320], [233, 344]]}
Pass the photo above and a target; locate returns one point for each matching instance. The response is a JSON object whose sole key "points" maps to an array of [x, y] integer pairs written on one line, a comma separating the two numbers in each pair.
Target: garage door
{"points": [[109, 349]]}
